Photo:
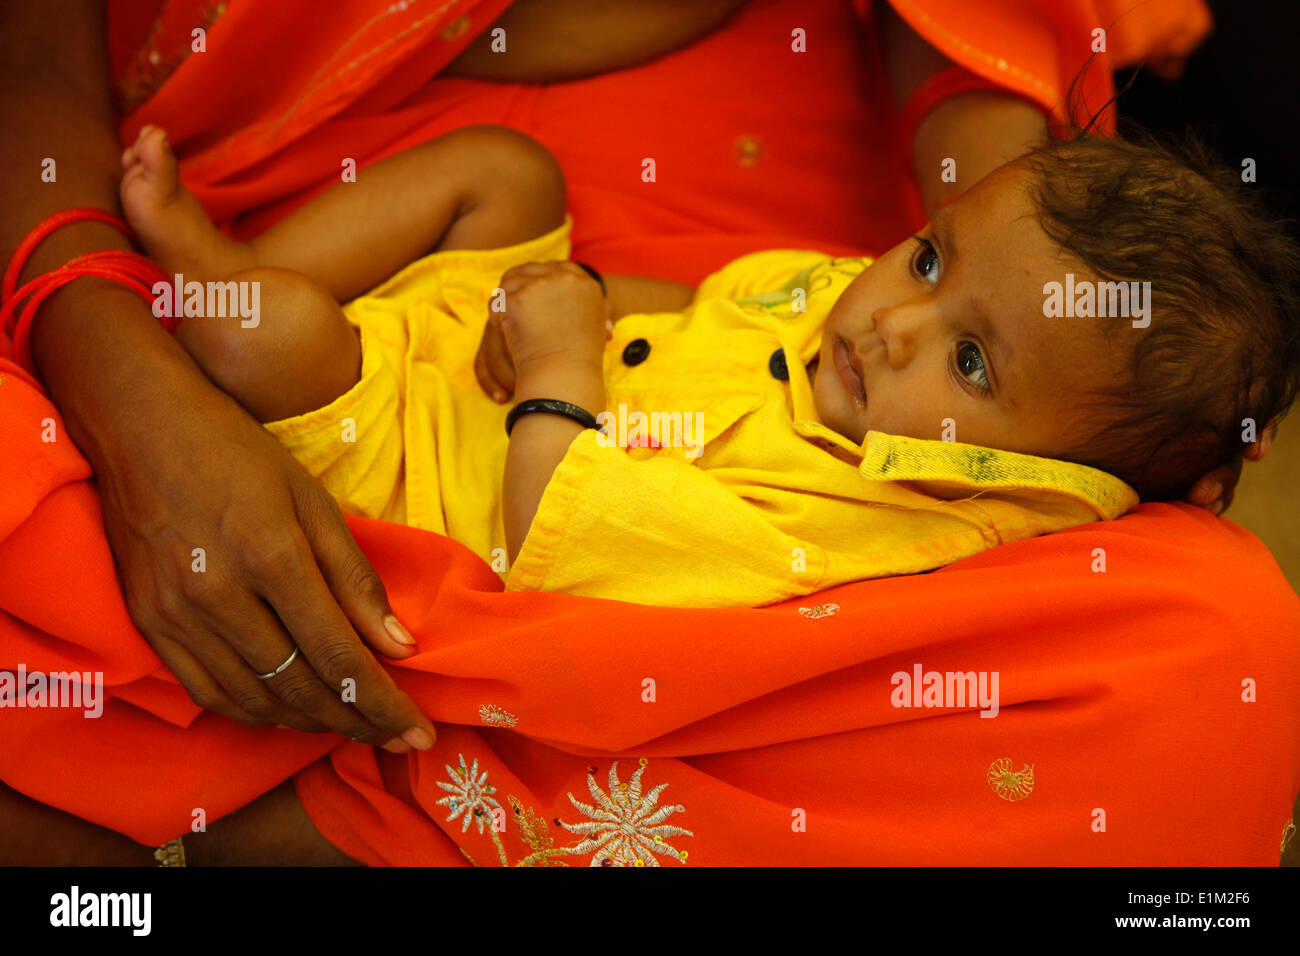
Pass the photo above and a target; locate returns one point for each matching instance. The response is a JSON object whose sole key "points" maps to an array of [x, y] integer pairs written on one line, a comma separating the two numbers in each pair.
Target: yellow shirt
{"points": [[741, 505]]}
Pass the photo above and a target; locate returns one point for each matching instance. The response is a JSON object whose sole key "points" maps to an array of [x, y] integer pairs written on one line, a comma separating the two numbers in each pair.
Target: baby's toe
{"points": [[156, 153]]}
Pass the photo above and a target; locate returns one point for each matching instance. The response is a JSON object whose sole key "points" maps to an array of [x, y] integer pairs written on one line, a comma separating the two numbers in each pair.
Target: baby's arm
{"points": [[554, 328]]}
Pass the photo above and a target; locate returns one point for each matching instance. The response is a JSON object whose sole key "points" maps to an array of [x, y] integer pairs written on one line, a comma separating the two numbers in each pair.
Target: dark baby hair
{"points": [[1223, 344]]}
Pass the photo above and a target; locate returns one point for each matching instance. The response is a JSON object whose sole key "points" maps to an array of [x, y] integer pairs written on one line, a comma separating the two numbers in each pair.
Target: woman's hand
{"points": [[1214, 491], [181, 467], [276, 554], [494, 364]]}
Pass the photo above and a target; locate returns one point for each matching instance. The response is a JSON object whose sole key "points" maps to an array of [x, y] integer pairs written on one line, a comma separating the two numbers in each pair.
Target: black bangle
{"points": [[594, 274], [550, 406]]}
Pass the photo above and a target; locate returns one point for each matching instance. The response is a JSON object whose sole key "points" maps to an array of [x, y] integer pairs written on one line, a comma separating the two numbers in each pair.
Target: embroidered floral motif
{"points": [[823, 274], [1011, 784], [469, 796], [625, 827], [821, 610], [777, 300], [829, 274], [494, 716], [534, 832]]}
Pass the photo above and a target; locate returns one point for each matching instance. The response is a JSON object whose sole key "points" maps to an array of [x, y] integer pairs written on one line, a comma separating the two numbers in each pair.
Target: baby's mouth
{"points": [[850, 375]]}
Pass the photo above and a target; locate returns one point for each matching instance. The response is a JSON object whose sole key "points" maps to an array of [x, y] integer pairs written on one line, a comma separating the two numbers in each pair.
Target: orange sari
{"points": [[1145, 715]]}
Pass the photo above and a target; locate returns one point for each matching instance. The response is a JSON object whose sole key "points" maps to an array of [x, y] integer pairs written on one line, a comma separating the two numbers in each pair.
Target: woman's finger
{"points": [[1206, 490], [216, 663], [288, 683], [203, 689], [341, 665], [1211, 488], [349, 575], [262, 644]]}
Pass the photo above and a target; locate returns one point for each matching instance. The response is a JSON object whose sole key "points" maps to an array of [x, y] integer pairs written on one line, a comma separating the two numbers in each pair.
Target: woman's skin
{"points": [[273, 830], [550, 41], [278, 538]]}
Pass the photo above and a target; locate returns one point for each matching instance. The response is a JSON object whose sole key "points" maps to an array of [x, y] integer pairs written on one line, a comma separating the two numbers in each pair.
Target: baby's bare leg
{"points": [[481, 187], [300, 355], [174, 229]]}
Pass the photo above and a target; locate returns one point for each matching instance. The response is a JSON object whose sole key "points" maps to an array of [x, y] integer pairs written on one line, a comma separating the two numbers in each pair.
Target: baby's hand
{"points": [[554, 313]]}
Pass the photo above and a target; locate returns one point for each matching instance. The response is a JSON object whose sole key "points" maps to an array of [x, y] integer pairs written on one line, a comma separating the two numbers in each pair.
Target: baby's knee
{"points": [[518, 192], [289, 350]]}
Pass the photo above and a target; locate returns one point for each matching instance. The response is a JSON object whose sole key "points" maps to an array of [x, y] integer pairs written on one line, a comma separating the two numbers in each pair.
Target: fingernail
{"points": [[397, 632], [396, 746], [418, 738]]}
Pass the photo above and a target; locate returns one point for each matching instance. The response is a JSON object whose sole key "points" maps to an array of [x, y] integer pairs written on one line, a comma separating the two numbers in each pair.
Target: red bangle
{"points": [[136, 272]]}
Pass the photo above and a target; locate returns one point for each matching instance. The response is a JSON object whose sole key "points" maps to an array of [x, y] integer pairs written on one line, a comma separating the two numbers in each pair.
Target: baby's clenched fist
{"points": [[554, 315]]}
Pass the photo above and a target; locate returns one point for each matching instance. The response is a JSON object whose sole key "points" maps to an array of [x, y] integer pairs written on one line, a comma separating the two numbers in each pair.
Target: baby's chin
{"points": [[834, 413]]}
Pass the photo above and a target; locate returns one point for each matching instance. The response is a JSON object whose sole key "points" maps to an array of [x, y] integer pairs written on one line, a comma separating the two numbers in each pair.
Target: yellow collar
{"points": [[963, 467]]}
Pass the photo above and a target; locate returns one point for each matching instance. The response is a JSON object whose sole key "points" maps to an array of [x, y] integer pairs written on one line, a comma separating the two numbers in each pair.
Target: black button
{"points": [[776, 365], [636, 352]]}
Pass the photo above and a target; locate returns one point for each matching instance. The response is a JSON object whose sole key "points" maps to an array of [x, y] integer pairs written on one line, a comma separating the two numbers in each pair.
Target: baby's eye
{"points": [[971, 361], [925, 261]]}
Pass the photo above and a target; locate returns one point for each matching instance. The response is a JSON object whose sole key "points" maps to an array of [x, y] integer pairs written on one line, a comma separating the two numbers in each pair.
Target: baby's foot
{"points": [[170, 223]]}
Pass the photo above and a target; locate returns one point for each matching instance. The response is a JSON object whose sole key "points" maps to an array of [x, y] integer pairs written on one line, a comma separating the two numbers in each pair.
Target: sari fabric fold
{"points": [[1135, 699]]}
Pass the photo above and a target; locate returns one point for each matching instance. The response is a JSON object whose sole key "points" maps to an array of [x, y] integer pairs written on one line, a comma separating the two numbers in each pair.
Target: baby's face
{"points": [[951, 325]]}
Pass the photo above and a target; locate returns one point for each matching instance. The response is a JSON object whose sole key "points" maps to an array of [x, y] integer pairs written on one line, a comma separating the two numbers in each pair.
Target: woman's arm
{"points": [[980, 131], [551, 41], [161, 439]]}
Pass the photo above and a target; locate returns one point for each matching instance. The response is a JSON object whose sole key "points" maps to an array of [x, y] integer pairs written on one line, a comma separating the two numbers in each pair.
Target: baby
{"points": [[855, 418]]}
